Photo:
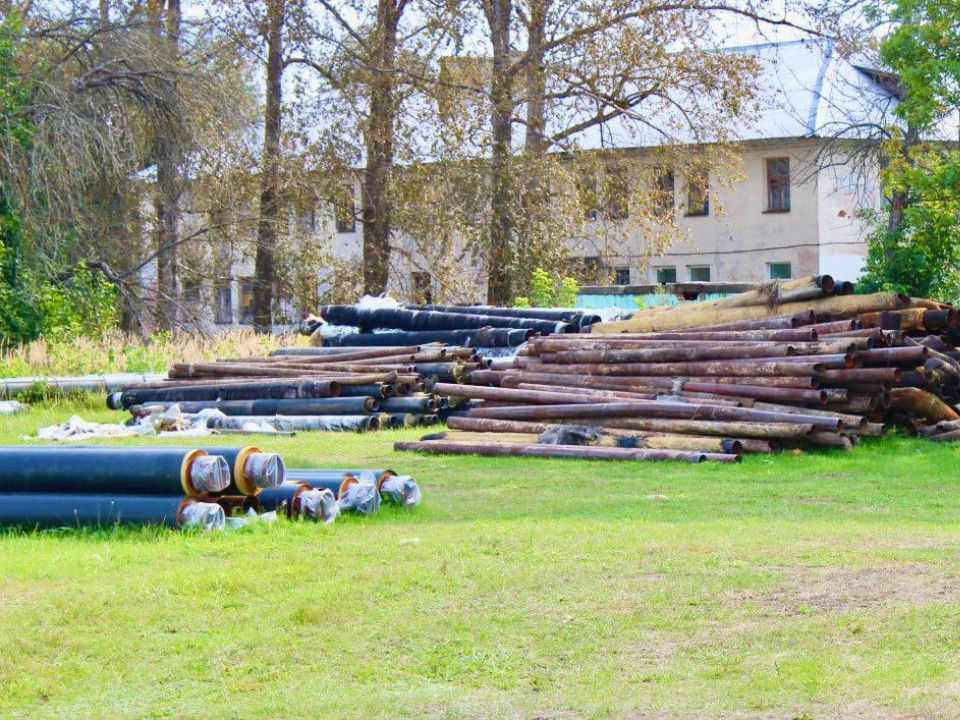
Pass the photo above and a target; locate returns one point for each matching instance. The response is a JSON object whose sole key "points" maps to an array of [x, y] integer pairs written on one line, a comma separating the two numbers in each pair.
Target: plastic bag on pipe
{"points": [[208, 516], [401, 490], [210, 473], [11, 407], [361, 497], [320, 505], [266, 469], [569, 435]]}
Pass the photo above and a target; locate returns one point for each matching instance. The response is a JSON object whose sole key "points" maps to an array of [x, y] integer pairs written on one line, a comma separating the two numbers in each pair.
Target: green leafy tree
{"points": [[915, 246]]}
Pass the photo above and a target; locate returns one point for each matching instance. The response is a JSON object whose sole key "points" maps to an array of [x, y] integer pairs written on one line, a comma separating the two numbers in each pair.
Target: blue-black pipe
{"points": [[314, 406], [251, 469], [400, 319], [46, 510], [485, 337], [409, 405], [569, 315], [291, 389], [118, 470]]}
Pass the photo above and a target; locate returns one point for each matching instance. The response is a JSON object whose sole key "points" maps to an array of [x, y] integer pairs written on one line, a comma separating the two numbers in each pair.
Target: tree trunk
{"points": [[264, 276], [899, 200], [165, 24], [500, 258], [535, 201], [379, 138]]}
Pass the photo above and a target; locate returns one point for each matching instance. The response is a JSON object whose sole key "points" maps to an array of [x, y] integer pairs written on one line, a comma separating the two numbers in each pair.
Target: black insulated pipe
{"points": [[118, 470], [314, 406], [484, 337], [568, 315], [251, 469], [293, 389], [399, 319], [49, 510]]}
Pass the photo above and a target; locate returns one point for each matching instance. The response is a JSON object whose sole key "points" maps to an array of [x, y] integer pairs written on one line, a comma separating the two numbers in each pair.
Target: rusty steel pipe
{"points": [[653, 409], [511, 395], [859, 376], [780, 367], [559, 451], [922, 403], [760, 431]]}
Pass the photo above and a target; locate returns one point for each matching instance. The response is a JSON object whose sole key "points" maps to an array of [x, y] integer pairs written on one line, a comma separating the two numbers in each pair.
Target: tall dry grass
{"points": [[118, 352]]}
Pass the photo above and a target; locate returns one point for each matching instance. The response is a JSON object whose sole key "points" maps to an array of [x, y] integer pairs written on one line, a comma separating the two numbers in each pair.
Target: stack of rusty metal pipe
{"points": [[751, 378], [299, 389]]}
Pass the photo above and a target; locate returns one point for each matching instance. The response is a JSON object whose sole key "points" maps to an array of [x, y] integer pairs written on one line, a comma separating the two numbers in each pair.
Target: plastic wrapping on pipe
{"points": [[360, 497], [319, 504], [210, 473], [296, 423], [203, 515], [265, 469], [401, 490]]}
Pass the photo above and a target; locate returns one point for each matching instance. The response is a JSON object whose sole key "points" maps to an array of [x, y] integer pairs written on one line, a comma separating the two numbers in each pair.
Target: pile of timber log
{"points": [[298, 389], [788, 365], [468, 326]]}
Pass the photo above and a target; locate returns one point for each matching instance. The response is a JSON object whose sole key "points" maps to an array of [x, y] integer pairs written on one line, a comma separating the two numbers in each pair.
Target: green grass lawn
{"points": [[816, 586]]}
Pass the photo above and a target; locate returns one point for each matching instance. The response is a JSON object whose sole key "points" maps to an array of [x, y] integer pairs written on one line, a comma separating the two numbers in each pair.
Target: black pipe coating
{"points": [[291, 389], [95, 470], [483, 337], [400, 319], [313, 406], [46, 510], [569, 315]]}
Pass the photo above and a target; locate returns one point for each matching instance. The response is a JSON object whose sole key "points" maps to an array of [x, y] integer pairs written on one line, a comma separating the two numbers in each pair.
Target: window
{"points": [[778, 185], [666, 275], [622, 276], [698, 194], [699, 273], [223, 310], [587, 190], [618, 194], [779, 271], [422, 288], [346, 212], [663, 192], [246, 300]]}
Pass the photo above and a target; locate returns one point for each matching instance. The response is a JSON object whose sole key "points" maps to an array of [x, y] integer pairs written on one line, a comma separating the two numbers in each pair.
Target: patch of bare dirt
{"points": [[840, 589]]}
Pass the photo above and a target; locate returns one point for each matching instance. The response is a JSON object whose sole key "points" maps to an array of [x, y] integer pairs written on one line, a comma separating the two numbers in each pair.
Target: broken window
{"points": [[223, 309], [779, 271], [246, 300], [778, 185], [622, 276], [663, 192], [698, 193]]}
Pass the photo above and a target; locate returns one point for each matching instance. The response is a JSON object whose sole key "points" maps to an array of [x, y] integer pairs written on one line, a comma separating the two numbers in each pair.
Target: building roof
{"points": [[806, 88]]}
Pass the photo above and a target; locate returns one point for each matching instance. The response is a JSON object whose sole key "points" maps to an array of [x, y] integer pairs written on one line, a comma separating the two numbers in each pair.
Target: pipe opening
{"points": [[209, 473], [401, 490], [208, 516], [321, 505], [266, 470], [360, 497]]}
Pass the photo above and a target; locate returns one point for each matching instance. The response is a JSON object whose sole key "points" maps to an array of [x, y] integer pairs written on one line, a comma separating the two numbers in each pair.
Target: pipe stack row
{"points": [[42, 487], [691, 383], [179, 487], [298, 389], [468, 326]]}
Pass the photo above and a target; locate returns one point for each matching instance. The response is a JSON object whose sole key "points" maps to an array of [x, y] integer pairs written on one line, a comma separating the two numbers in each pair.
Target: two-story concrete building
{"points": [[796, 208]]}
